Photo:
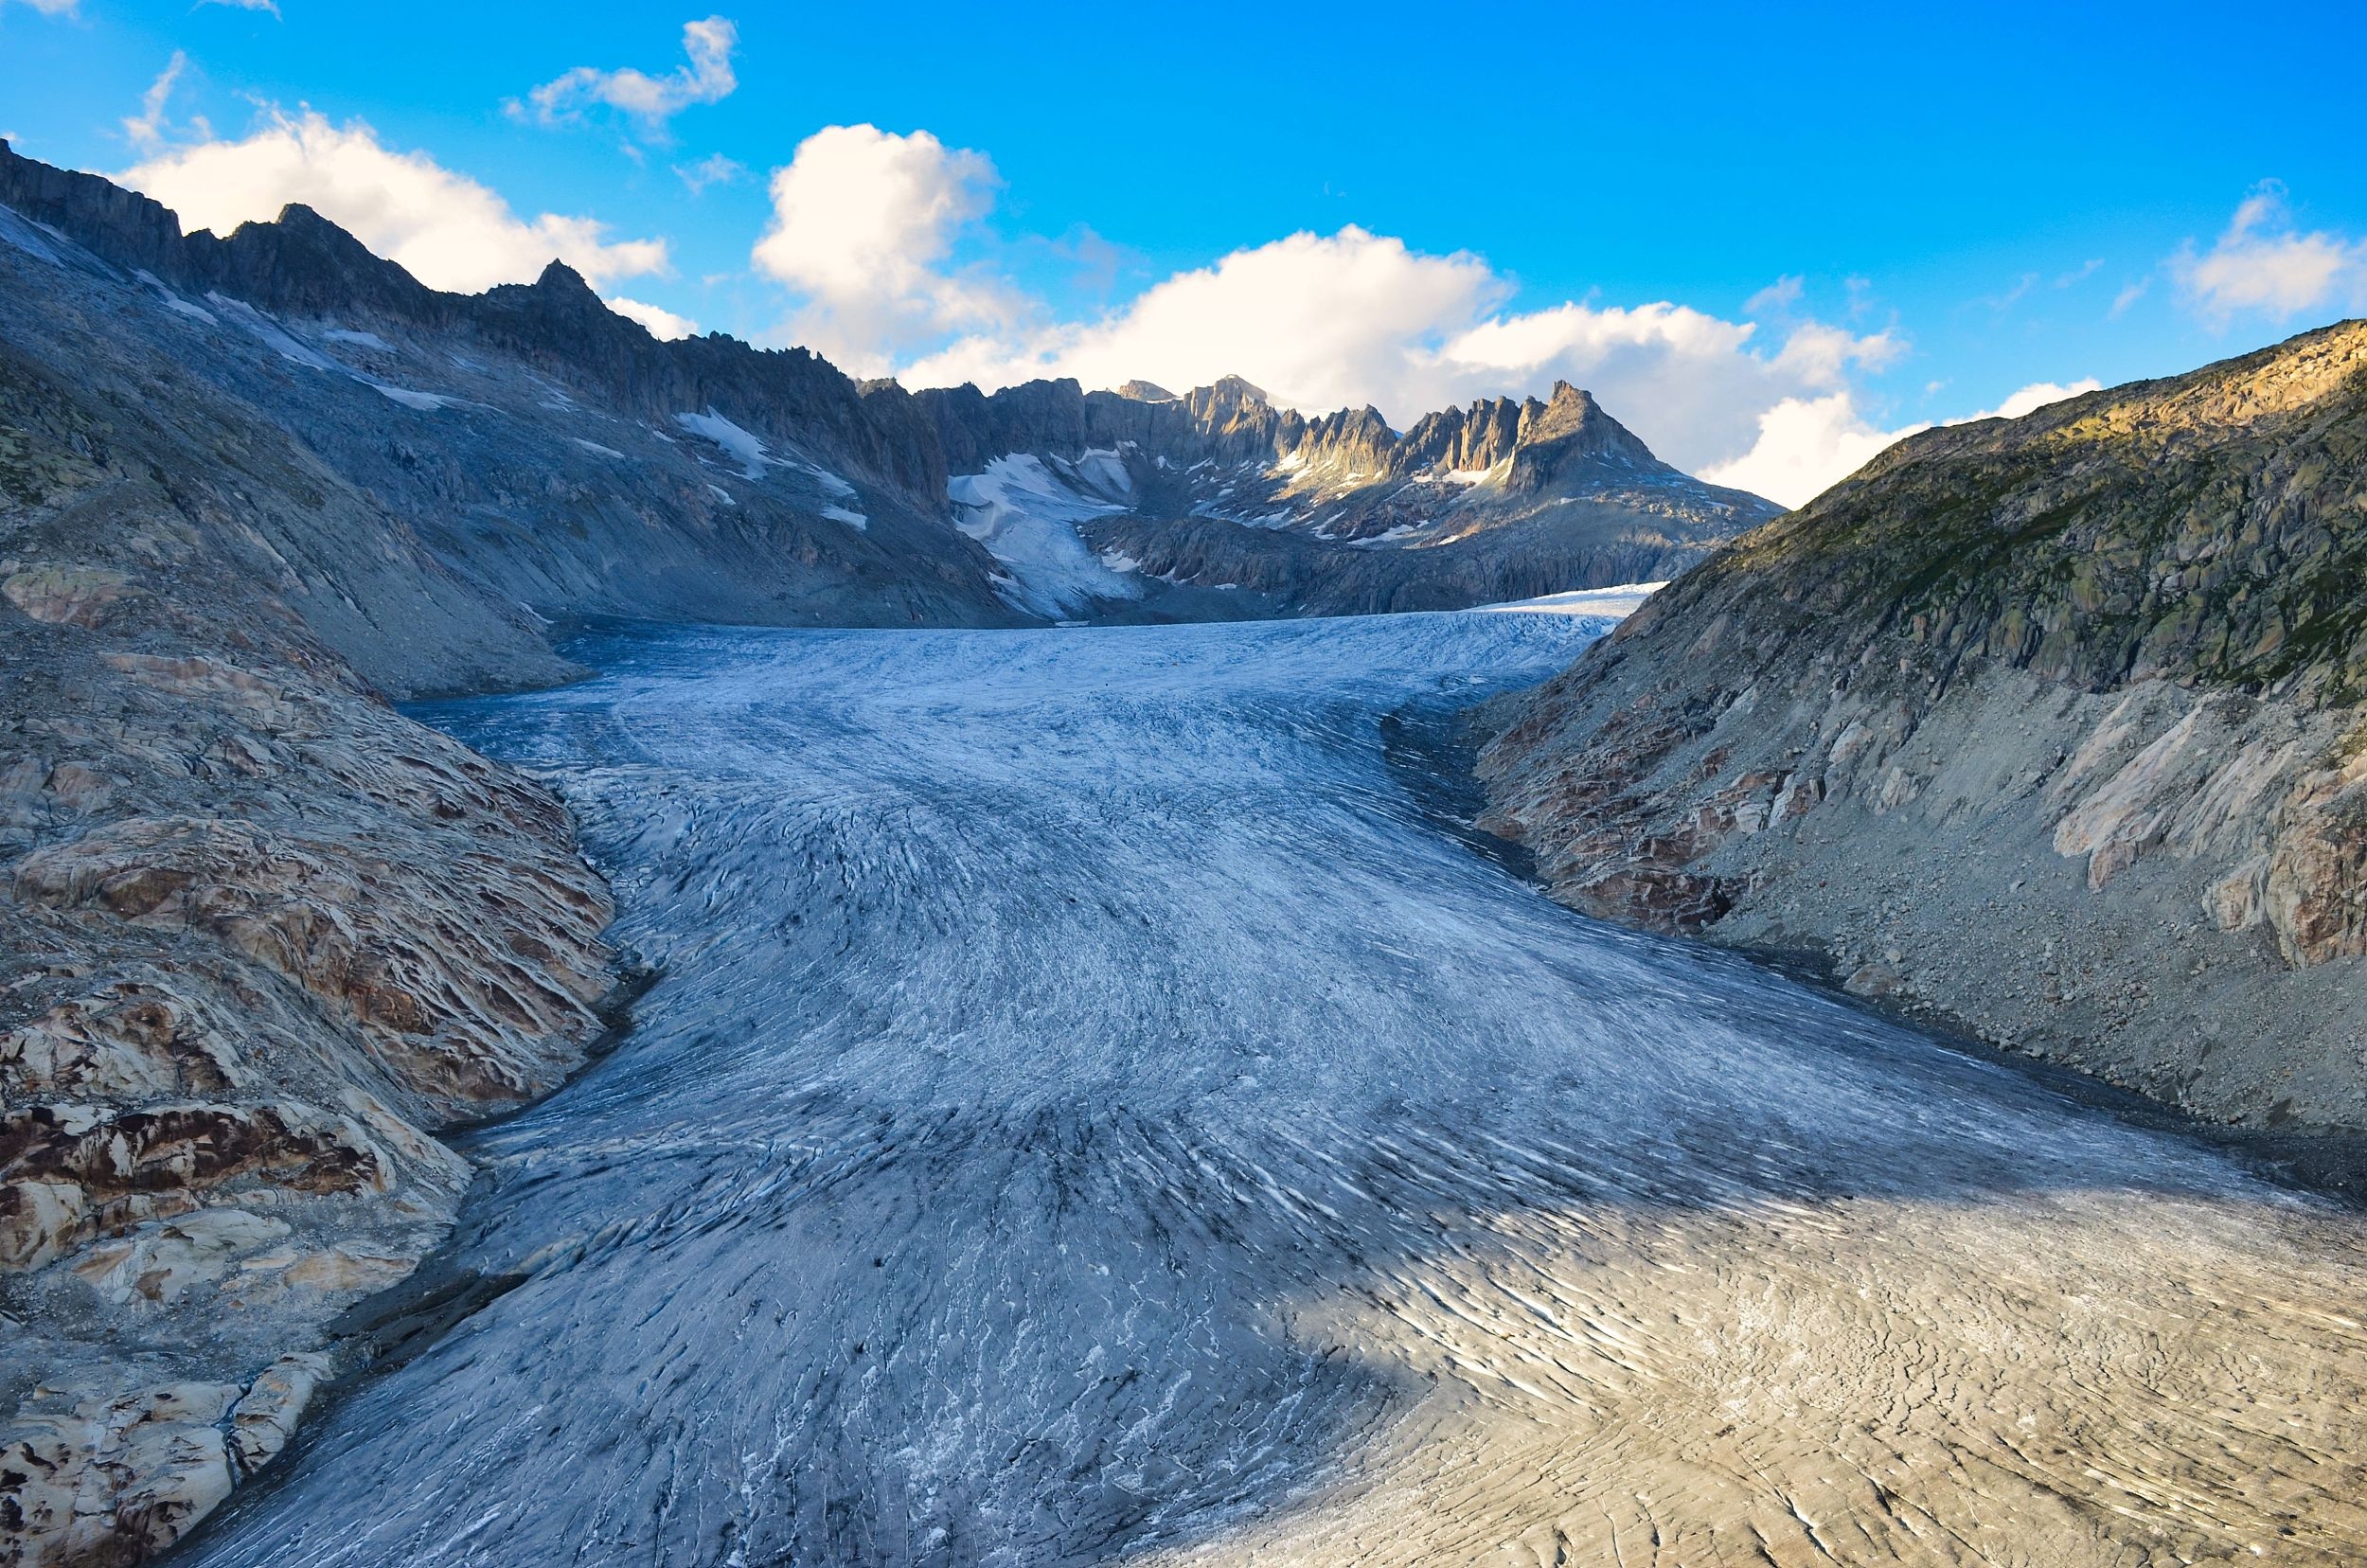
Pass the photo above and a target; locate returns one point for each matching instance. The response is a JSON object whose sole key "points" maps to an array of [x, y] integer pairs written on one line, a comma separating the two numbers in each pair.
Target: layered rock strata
{"points": [[261, 939], [2055, 728]]}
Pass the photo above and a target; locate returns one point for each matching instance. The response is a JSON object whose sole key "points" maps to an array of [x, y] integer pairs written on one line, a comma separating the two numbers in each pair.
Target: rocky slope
{"points": [[264, 940], [554, 457], [261, 939], [2054, 728], [1098, 500], [543, 457]]}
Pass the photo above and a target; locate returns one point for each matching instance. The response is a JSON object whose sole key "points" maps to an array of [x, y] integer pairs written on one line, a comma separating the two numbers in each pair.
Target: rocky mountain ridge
{"points": [[2054, 728], [305, 266], [496, 420], [264, 942], [1220, 488], [492, 462]]}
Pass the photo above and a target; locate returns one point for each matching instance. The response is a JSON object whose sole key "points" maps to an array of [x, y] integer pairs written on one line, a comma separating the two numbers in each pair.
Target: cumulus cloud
{"points": [[2262, 264], [447, 229], [863, 223], [1805, 446], [1319, 321], [1340, 320], [707, 78], [660, 322], [2033, 398]]}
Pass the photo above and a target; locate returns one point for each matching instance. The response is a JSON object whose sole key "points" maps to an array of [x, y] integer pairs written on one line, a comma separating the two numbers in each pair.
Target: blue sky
{"points": [[1860, 219]]}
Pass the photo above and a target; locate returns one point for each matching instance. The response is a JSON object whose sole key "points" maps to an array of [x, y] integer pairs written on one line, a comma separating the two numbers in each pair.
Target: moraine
{"points": [[1097, 1109]]}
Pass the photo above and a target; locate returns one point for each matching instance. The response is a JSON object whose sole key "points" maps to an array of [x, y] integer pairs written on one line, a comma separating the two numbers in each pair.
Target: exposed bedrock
{"points": [[1324, 576], [528, 452], [2053, 727], [261, 939]]}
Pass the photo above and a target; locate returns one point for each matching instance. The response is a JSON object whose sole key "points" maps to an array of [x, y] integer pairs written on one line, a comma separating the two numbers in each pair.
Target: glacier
{"points": [[1104, 1103]]}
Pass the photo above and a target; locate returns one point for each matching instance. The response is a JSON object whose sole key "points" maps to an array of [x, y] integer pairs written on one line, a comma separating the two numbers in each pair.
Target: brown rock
{"points": [[66, 594]]}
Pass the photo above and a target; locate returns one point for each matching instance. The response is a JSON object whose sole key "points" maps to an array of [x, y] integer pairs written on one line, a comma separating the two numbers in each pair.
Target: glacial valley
{"points": [[1099, 1107]]}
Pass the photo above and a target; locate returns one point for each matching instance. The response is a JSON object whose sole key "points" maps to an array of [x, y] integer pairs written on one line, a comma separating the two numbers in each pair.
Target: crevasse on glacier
{"points": [[1097, 1109]]}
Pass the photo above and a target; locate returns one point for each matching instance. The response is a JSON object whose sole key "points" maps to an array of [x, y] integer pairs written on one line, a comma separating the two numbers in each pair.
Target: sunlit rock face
{"points": [[2053, 726], [1100, 1107], [1217, 504], [263, 940]]}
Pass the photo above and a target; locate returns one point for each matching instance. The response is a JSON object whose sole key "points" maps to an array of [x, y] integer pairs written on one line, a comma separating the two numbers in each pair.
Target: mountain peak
{"points": [[558, 275], [1572, 430]]}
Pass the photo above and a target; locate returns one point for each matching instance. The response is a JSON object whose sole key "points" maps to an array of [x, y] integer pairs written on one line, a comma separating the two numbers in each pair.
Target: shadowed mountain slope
{"points": [[556, 457]]}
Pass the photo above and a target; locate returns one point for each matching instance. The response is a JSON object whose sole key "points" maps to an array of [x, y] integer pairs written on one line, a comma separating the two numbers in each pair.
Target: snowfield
{"points": [[1026, 511], [1101, 1107]]}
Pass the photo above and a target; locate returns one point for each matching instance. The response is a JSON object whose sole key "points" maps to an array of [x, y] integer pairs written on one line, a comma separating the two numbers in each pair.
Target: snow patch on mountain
{"points": [[1618, 603], [746, 448], [25, 234], [735, 442], [426, 401], [174, 302], [277, 338], [1025, 510]]}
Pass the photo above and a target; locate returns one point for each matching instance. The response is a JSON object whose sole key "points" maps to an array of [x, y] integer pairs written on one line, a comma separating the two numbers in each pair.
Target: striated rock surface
{"points": [[2054, 728], [262, 937]]}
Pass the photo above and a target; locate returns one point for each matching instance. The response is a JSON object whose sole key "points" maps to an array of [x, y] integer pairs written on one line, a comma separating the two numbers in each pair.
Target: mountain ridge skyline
{"points": [[1782, 332]]}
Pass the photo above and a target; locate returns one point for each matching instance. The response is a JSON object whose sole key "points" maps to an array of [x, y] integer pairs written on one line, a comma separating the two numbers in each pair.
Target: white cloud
{"points": [[712, 169], [1777, 296], [1319, 321], [863, 222], [1330, 321], [270, 6], [450, 231], [706, 79], [145, 130], [1805, 446], [2263, 263], [51, 7], [660, 322], [2033, 398]]}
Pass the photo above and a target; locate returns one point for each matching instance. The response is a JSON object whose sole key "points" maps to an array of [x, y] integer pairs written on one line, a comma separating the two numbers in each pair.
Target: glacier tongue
{"points": [[1099, 1108]]}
